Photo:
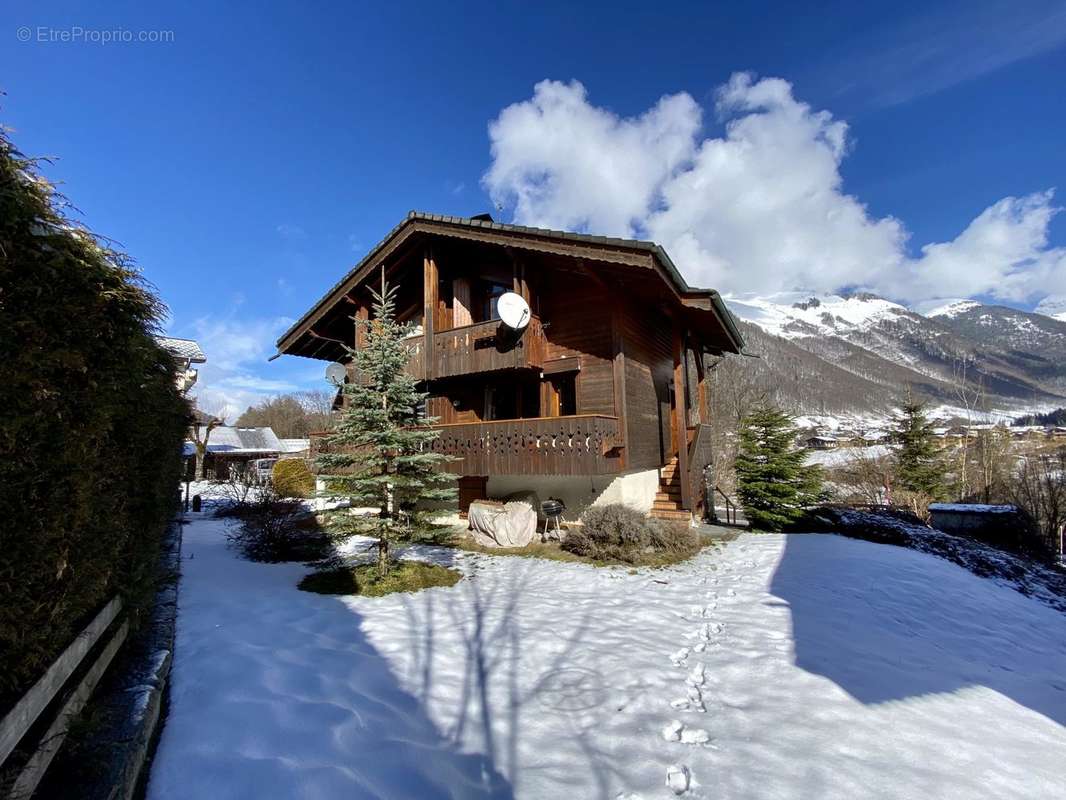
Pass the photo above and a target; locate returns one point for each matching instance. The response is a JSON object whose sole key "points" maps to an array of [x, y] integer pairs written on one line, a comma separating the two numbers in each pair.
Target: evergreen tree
{"points": [[773, 483], [378, 454], [918, 465]]}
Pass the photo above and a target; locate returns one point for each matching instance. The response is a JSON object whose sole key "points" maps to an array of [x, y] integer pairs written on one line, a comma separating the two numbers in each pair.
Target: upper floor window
{"points": [[493, 293]]}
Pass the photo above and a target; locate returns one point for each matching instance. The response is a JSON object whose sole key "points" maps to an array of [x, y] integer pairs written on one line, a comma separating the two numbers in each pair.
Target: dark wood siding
{"points": [[577, 312], [648, 364]]}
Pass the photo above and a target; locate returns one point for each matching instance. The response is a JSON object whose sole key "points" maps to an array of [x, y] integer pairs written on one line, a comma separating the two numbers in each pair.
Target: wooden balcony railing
{"points": [[486, 347], [585, 444], [481, 347]]}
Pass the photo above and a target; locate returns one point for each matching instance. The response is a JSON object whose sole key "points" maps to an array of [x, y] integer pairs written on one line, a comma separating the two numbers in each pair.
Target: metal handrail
{"points": [[730, 507]]}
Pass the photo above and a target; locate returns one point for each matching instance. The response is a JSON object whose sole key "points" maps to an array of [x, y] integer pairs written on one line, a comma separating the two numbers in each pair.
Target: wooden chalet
{"points": [[604, 393]]}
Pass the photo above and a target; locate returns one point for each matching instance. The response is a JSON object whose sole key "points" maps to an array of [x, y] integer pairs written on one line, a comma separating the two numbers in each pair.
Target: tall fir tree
{"points": [[378, 454], [773, 482], [918, 464]]}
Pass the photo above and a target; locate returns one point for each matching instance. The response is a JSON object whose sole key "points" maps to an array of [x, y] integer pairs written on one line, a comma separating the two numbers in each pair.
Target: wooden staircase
{"points": [[667, 503]]}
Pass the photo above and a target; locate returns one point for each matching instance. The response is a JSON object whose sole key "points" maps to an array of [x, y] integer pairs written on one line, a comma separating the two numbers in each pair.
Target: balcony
{"points": [[483, 347], [585, 444]]}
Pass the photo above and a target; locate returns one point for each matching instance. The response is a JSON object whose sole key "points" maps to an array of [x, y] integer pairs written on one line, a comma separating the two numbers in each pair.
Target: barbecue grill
{"points": [[553, 509]]}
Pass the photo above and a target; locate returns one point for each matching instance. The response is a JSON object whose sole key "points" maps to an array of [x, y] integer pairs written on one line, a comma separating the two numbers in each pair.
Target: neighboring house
{"points": [[605, 393], [231, 448], [295, 448], [822, 442], [186, 352]]}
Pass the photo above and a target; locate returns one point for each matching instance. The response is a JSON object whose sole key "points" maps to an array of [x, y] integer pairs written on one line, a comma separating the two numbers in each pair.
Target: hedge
{"points": [[91, 426]]}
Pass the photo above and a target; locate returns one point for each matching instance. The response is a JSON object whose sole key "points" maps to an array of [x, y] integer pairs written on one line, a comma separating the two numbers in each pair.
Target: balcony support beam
{"points": [[430, 282], [681, 414]]}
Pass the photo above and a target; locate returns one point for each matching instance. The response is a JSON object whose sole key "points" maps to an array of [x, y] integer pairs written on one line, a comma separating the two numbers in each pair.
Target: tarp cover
{"points": [[511, 524]]}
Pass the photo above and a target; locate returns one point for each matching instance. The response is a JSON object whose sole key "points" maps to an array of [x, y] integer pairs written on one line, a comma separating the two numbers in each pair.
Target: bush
{"points": [[273, 530], [291, 477], [92, 428], [618, 533]]}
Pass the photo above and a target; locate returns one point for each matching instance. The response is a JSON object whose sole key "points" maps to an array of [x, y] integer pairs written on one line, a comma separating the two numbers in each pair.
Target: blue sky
{"points": [[247, 163]]}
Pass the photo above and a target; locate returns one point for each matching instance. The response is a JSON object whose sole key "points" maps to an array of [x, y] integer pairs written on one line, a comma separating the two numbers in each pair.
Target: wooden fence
{"points": [[62, 691]]}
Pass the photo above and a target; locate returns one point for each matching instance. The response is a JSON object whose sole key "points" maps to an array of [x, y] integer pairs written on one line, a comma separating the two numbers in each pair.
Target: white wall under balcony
{"points": [[634, 489]]}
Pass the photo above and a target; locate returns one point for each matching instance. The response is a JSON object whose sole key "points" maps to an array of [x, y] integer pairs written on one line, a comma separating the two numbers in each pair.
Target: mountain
{"points": [[1035, 342], [1053, 306], [883, 347]]}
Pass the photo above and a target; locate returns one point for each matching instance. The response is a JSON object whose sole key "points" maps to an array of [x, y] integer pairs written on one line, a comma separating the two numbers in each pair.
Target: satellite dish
{"points": [[513, 310], [336, 373]]}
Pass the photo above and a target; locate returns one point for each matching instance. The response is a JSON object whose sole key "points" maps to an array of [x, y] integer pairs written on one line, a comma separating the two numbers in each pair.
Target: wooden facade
{"points": [[607, 378]]}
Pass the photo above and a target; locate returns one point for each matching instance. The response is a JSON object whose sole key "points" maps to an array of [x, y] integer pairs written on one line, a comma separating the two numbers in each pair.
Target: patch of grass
{"points": [[404, 576]]}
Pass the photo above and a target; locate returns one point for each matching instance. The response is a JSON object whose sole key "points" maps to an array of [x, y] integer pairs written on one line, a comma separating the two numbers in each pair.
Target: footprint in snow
{"points": [[678, 658], [697, 675], [672, 731], [695, 736], [678, 778]]}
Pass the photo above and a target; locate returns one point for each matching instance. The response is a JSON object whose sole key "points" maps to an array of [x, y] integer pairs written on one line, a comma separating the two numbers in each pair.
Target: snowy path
{"points": [[827, 668]]}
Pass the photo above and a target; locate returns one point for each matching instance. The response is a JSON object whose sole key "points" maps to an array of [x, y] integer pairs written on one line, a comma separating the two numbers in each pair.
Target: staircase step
{"points": [[660, 505], [680, 514]]}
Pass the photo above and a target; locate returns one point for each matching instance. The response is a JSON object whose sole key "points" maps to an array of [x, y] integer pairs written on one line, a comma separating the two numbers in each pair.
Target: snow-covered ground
{"points": [[845, 455], [814, 666]]}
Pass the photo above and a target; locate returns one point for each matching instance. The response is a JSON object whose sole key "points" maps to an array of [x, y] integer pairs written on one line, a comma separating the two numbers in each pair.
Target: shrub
{"points": [[616, 524], [618, 533], [273, 530], [292, 477], [92, 428]]}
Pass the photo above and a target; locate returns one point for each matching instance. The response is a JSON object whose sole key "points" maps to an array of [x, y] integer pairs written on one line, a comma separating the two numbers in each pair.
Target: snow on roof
{"points": [[183, 348], [228, 440], [294, 445], [972, 508]]}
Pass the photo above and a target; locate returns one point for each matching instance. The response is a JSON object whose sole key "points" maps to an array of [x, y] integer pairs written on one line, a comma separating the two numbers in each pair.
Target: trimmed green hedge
{"points": [[91, 427]]}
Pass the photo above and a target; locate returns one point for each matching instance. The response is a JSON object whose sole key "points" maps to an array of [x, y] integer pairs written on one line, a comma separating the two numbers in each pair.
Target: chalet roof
{"points": [[603, 244], [183, 348], [238, 441]]}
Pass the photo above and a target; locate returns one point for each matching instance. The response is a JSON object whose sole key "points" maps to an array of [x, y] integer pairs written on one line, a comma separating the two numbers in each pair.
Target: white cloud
{"points": [[761, 208], [564, 163], [237, 349]]}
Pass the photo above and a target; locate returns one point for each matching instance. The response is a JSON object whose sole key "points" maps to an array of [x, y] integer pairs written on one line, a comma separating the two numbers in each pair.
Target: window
{"points": [[489, 294], [496, 291]]}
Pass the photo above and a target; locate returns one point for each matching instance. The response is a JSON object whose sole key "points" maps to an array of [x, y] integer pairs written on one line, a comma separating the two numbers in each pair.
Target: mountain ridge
{"points": [[1018, 358]]}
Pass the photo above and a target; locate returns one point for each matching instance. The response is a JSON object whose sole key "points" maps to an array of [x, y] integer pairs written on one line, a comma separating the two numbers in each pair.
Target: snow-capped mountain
{"points": [[884, 347], [1053, 306]]}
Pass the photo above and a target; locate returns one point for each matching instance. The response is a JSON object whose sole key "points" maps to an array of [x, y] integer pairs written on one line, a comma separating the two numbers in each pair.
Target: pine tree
{"points": [[378, 454], [918, 465], [773, 483]]}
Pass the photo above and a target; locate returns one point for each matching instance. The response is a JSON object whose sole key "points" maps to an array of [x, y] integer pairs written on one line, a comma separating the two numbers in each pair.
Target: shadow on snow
{"points": [[885, 623]]}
